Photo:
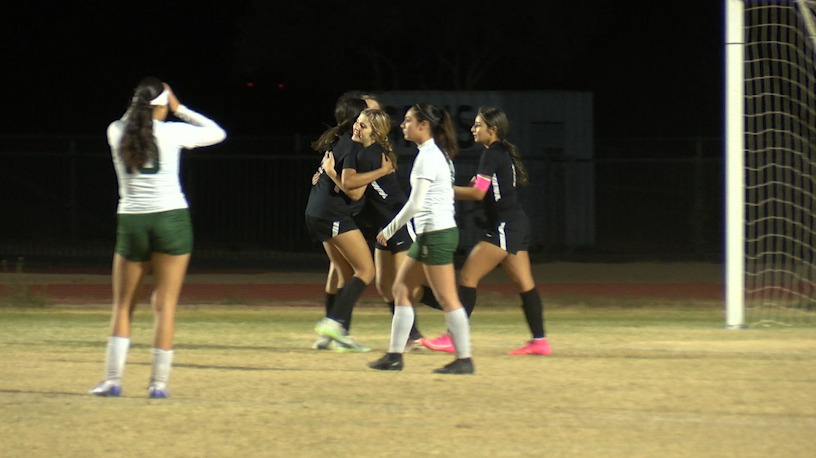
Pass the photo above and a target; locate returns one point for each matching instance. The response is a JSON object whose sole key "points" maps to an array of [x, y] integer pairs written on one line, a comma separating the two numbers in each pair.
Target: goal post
{"points": [[770, 162], [734, 165]]}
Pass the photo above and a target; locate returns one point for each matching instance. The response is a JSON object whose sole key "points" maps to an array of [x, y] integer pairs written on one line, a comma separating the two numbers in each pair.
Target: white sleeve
{"points": [[199, 130], [418, 192]]}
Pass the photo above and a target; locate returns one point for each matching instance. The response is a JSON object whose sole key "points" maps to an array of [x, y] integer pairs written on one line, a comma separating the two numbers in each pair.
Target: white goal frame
{"points": [[735, 202]]}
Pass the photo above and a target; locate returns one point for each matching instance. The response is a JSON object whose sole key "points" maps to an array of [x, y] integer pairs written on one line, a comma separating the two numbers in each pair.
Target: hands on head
{"points": [[172, 101]]}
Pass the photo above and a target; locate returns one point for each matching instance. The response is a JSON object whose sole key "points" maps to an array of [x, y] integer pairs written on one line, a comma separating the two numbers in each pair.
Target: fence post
{"points": [[72, 195], [698, 207]]}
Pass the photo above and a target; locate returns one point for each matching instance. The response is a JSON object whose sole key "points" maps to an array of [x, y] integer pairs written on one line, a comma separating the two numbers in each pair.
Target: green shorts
{"points": [[435, 248], [168, 232]]}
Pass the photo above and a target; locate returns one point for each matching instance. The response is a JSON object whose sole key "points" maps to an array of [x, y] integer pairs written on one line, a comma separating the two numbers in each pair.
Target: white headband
{"points": [[161, 99]]}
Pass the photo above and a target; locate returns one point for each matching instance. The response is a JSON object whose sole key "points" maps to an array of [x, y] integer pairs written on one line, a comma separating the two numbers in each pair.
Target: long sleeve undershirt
{"points": [[414, 204]]}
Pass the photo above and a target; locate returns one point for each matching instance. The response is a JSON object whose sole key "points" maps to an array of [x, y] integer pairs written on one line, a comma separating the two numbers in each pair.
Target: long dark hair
{"points": [[441, 127], [361, 95], [138, 144], [346, 111], [495, 117]]}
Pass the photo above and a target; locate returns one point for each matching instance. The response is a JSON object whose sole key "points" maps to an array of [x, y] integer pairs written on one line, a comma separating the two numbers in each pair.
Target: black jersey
{"points": [[501, 199], [384, 197], [326, 203]]}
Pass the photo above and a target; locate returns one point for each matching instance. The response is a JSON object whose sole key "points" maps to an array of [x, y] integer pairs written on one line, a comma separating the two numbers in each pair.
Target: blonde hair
{"points": [[380, 127]]}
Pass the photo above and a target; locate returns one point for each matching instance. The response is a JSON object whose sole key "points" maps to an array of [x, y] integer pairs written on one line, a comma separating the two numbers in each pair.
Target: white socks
{"points": [[115, 355], [401, 328], [459, 328], [162, 361]]}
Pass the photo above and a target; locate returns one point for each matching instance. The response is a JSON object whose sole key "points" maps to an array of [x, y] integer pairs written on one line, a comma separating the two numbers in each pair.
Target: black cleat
{"points": [[389, 362], [458, 366]]}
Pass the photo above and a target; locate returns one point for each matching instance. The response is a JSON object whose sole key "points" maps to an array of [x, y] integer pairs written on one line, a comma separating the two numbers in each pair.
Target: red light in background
{"points": [[250, 84], [280, 85]]}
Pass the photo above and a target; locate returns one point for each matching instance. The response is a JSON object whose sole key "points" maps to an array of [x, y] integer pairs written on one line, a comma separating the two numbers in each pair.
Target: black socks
{"points": [[428, 298], [533, 312], [328, 300], [345, 300], [467, 296]]}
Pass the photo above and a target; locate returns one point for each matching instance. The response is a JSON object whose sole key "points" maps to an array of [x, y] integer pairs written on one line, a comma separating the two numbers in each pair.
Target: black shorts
{"points": [[369, 232], [401, 240], [511, 236], [322, 229]]}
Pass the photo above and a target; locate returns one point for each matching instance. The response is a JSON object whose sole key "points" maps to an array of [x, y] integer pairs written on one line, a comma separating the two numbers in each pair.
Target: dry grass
{"points": [[654, 380]]}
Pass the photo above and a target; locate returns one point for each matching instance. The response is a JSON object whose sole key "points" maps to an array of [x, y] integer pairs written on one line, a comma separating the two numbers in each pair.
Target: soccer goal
{"points": [[770, 147]]}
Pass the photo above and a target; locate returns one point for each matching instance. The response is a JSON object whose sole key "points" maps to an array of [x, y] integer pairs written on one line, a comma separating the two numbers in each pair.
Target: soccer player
{"points": [[373, 168], [333, 281], [508, 231], [329, 220], [153, 222], [431, 204]]}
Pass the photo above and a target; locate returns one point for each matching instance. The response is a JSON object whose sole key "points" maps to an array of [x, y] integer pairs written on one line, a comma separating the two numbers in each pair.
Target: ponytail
{"points": [[346, 111], [445, 136], [441, 127], [389, 151], [138, 145], [329, 138], [515, 157]]}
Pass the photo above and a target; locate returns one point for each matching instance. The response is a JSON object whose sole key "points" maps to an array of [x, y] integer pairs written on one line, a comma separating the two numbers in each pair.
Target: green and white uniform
{"points": [[431, 204], [152, 211]]}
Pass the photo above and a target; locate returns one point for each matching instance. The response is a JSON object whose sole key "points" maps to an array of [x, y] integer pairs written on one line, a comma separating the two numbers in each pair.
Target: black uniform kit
{"points": [[507, 225], [383, 198], [329, 211]]}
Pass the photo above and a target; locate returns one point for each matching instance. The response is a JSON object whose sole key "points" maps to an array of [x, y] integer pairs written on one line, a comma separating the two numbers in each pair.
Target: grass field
{"points": [[641, 380]]}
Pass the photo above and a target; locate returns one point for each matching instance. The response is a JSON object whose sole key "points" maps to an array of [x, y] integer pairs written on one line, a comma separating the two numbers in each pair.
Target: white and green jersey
{"points": [[156, 186], [437, 211]]}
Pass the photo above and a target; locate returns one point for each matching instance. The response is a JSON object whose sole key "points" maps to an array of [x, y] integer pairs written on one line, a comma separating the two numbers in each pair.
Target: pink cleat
{"points": [[533, 347], [441, 343]]}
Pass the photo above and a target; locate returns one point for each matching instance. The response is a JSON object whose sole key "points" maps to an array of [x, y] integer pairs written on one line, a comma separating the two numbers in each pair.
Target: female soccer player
{"points": [[333, 281], [372, 169], [431, 204], [153, 222], [329, 220], [508, 234]]}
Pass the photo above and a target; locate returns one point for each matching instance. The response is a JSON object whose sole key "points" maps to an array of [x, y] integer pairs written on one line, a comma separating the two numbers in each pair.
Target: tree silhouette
{"points": [[424, 45]]}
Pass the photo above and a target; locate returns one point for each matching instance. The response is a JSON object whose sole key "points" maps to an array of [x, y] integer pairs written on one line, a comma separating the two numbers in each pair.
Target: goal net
{"points": [[779, 163]]}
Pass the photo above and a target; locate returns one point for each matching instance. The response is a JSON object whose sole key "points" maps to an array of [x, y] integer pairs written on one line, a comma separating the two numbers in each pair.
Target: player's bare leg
{"points": [[168, 278]]}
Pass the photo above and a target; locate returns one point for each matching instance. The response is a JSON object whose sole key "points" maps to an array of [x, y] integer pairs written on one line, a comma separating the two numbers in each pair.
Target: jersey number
{"points": [[151, 167]]}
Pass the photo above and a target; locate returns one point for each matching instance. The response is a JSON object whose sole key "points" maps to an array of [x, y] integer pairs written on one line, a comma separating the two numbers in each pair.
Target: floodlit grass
{"points": [[626, 379]]}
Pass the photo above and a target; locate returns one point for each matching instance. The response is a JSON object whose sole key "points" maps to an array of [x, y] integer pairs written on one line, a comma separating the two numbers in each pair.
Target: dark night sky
{"points": [[655, 69]]}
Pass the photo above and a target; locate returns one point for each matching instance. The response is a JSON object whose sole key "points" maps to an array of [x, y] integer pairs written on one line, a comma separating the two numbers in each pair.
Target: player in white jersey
{"points": [[431, 204], [153, 222]]}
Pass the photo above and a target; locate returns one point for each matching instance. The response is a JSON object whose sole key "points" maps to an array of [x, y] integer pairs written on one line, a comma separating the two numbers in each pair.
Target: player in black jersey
{"points": [[384, 198], [333, 281], [329, 220], [508, 231]]}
